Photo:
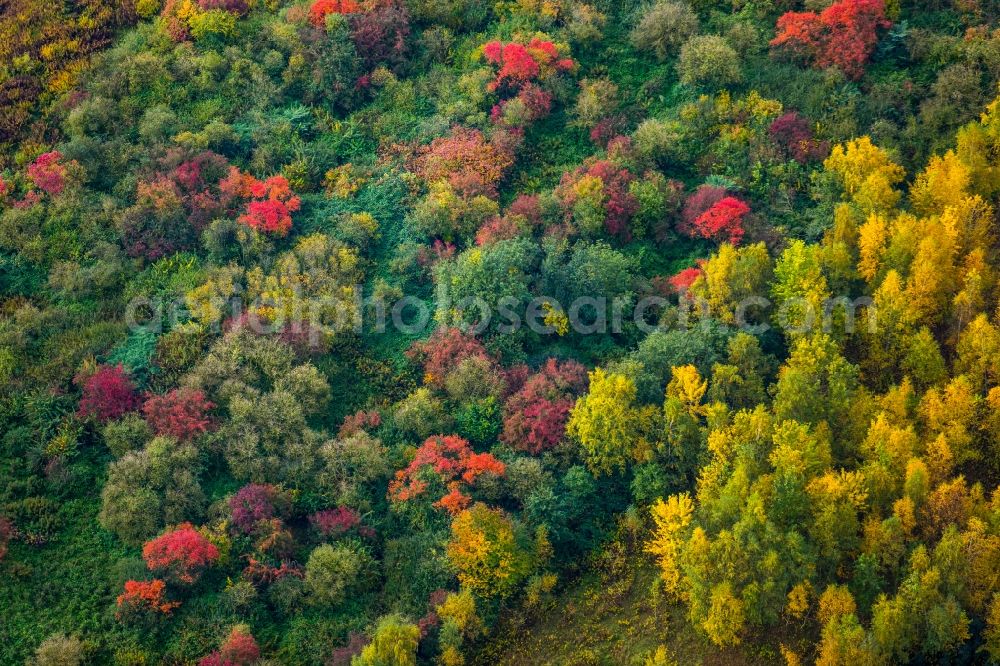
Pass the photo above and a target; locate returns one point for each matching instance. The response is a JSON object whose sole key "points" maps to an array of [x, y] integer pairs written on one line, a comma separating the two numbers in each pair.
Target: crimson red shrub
{"points": [[334, 522], [606, 129], [239, 649], [518, 64], [253, 504], [108, 394], [443, 351], [175, 203], [681, 282], [703, 198], [180, 413], [619, 205], [723, 221], [794, 136], [535, 416], [182, 552], [843, 35], [48, 173], [381, 34], [531, 103], [271, 202]]}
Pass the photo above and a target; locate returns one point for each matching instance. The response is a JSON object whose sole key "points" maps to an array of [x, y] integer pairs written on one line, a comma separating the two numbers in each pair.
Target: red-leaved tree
{"points": [[682, 281], [518, 64], [535, 416], [381, 33], [843, 35], [515, 66], [700, 201], [198, 179], [48, 173], [174, 202], [522, 216], [439, 250], [470, 163], [361, 420], [255, 503], [108, 394], [723, 221], [321, 8], [142, 596], [607, 129], [334, 522], [182, 553], [496, 229], [794, 136], [531, 103], [444, 462], [528, 207], [271, 202], [443, 351], [260, 572], [180, 413], [239, 649]]}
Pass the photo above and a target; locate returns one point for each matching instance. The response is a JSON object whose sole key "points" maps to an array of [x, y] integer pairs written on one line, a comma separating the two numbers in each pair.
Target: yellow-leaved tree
{"points": [[608, 423], [866, 174], [671, 519], [486, 553]]}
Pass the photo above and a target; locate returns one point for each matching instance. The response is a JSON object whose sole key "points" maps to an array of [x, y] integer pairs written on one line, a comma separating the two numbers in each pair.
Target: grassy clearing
{"points": [[613, 614]]}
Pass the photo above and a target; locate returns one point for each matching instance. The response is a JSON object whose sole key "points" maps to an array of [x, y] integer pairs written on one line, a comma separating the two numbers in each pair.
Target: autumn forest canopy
{"points": [[411, 332]]}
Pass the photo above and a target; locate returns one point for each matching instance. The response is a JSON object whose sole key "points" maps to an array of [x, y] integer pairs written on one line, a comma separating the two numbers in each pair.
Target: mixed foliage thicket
{"points": [[205, 460]]}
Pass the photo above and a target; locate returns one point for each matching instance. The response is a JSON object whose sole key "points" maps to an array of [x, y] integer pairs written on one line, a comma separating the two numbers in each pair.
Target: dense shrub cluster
{"points": [[843, 35]]}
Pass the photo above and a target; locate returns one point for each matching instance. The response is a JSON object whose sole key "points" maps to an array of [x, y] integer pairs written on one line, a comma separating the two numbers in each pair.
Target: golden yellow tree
{"points": [[671, 519], [485, 552], [943, 182], [730, 276], [867, 175], [606, 422]]}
